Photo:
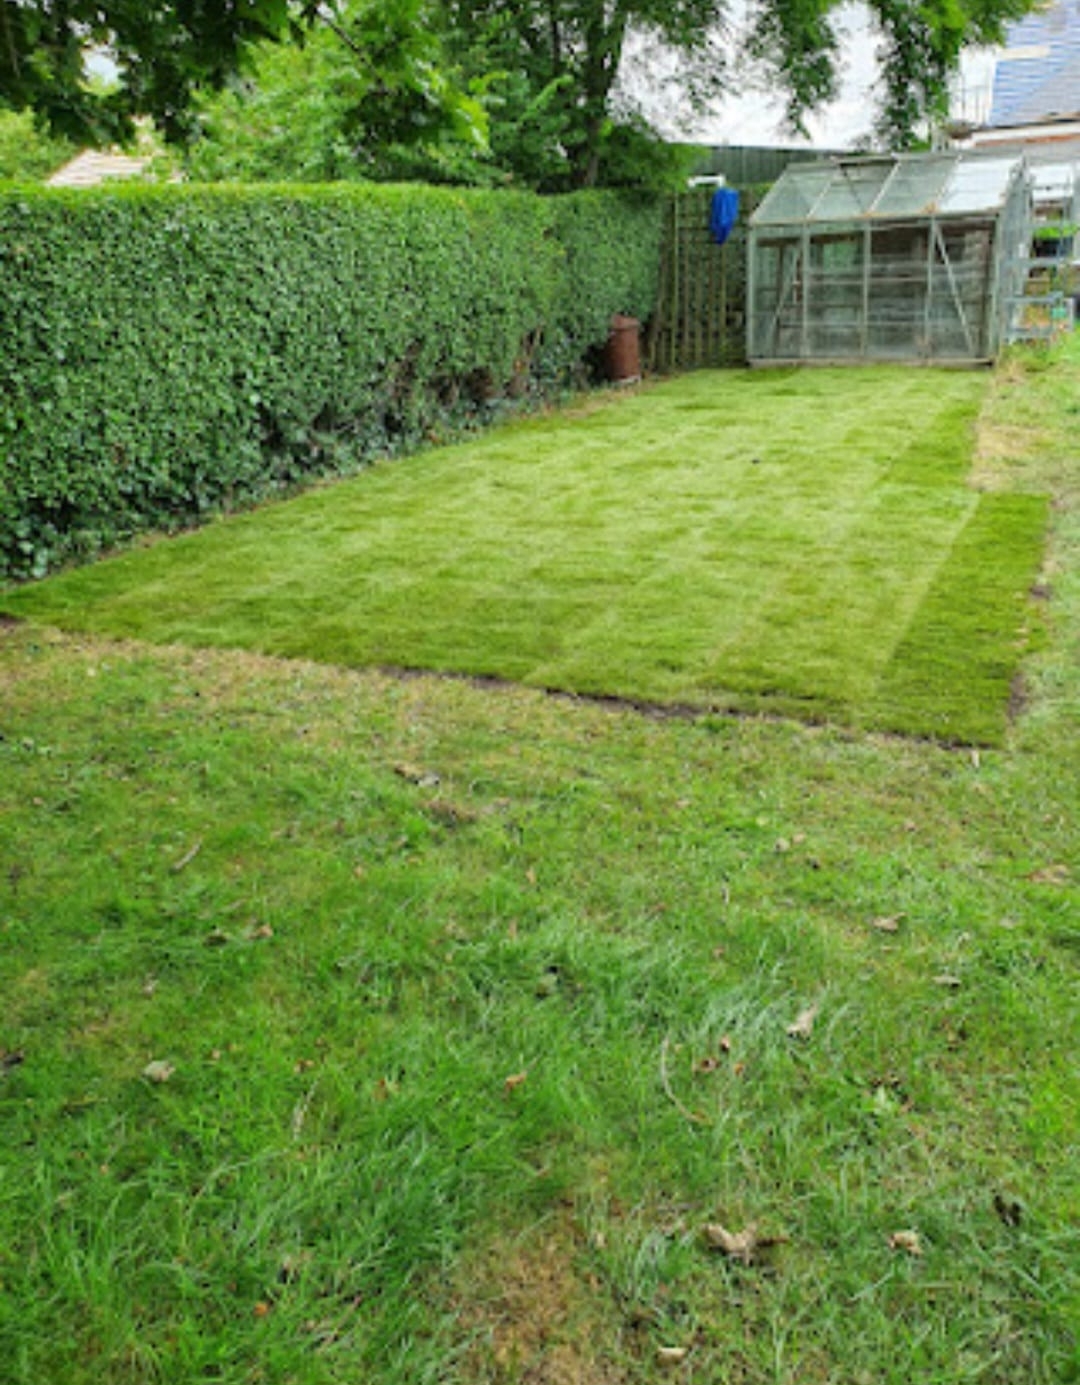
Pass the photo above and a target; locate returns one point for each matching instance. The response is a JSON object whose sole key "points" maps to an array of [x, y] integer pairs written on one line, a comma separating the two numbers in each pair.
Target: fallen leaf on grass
{"points": [[514, 1081], [1050, 875], [671, 1356], [803, 1027], [262, 930], [158, 1071], [907, 1241], [888, 923], [424, 778], [744, 1246], [947, 980], [450, 814], [261, 1310]]}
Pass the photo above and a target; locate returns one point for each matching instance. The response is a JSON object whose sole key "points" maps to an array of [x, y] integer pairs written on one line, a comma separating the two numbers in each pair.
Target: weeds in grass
{"points": [[477, 1005]]}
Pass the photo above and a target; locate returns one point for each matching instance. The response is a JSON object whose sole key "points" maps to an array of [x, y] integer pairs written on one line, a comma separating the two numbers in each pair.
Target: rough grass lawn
{"points": [[385, 1029], [791, 542]]}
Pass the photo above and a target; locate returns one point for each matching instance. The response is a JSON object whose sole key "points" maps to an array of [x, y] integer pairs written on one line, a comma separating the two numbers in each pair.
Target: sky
{"points": [[756, 117]]}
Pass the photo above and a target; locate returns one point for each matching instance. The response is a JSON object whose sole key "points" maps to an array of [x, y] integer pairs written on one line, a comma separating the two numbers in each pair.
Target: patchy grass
{"points": [[477, 1005], [787, 542]]}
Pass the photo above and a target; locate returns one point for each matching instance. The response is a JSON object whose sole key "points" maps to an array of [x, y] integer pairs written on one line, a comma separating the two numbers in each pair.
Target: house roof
{"points": [[1037, 77], [892, 188], [94, 166]]}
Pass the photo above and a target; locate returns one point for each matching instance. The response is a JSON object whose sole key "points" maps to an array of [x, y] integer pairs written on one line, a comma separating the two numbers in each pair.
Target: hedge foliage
{"points": [[166, 352]]}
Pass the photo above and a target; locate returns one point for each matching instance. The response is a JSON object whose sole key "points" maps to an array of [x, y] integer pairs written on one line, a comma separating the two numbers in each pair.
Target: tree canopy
{"points": [[163, 51], [549, 70], [367, 95]]}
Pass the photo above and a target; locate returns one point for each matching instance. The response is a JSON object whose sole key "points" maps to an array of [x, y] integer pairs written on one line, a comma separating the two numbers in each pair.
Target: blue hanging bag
{"points": [[723, 214]]}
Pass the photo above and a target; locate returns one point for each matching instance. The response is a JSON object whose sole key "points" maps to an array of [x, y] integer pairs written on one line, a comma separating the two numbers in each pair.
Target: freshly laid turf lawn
{"points": [[792, 542], [473, 1010]]}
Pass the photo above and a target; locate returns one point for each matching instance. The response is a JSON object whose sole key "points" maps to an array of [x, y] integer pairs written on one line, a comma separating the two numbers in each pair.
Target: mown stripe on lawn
{"points": [[950, 674]]}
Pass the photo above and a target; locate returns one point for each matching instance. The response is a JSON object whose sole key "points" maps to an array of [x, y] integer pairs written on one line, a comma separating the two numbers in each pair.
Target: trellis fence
{"points": [[700, 317]]}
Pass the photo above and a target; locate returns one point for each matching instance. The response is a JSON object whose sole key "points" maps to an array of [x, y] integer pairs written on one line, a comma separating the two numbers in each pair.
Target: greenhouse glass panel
{"points": [[912, 257], [792, 198], [850, 193], [977, 185], [914, 187]]}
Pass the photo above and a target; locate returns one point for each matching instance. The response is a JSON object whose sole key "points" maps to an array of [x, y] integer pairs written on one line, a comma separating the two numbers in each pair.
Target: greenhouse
{"points": [[916, 257]]}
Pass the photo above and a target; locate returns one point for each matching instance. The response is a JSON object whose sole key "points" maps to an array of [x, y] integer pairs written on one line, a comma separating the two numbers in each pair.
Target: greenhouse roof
{"points": [[898, 187]]}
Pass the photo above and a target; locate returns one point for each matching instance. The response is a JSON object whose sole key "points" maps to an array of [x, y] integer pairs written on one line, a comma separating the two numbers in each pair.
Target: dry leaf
{"points": [[736, 1245], [803, 1027], [745, 1246], [707, 1064], [426, 779], [888, 923], [158, 1071], [947, 980], [514, 1081], [907, 1241], [261, 1310], [262, 930], [671, 1356], [1050, 875], [783, 845], [530, 876]]}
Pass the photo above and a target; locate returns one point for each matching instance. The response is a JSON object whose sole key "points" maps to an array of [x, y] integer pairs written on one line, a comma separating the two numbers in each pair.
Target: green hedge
{"points": [[167, 352]]}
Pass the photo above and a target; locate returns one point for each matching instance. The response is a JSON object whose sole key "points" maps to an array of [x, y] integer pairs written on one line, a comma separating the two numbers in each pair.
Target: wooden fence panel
{"points": [[700, 318]]}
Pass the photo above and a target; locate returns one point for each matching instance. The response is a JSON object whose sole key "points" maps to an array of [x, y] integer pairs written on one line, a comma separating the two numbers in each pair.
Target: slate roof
{"points": [[1037, 78]]}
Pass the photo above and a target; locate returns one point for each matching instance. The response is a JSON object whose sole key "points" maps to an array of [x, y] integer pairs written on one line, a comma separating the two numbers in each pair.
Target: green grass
{"points": [[346, 907], [783, 542]]}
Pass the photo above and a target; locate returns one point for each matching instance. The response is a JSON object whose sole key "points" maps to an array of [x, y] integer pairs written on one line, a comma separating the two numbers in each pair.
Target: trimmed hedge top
{"points": [[166, 351]]}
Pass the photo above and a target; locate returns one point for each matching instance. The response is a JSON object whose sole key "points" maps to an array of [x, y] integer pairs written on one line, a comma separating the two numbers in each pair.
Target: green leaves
{"points": [[169, 352]]}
